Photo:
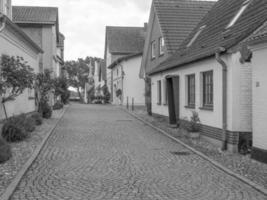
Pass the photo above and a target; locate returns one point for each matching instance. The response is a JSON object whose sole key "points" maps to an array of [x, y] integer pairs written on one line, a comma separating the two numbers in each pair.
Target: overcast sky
{"points": [[83, 22]]}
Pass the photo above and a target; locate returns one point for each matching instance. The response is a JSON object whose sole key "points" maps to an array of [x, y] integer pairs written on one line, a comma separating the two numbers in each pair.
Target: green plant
{"points": [[29, 124], [58, 105], [5, 151], [46, 110], [194, 123], [14, 130], [118, 92], [37, 117]]}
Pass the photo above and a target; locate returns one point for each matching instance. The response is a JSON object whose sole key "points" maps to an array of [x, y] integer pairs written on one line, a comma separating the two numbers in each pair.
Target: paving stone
{"points": [[101, 152]]}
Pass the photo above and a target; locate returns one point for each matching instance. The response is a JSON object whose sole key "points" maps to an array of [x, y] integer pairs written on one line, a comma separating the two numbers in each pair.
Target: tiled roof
{"points": [[124, 58], [177, 18], [125, 39], [215, 34], [28, 14], [258, 36]]}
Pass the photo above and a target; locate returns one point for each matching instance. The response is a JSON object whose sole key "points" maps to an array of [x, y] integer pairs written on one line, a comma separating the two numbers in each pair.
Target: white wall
{"points": [[259, 85], [11, 46], [132, 86], [238, 101]]}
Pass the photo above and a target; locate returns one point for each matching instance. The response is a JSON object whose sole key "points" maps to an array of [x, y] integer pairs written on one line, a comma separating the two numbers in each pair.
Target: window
{"points": [[165, 93], [196, 35], [239, 13], [161, 46], [159, 92], [153, 50], [191, 88], [207, 89]]}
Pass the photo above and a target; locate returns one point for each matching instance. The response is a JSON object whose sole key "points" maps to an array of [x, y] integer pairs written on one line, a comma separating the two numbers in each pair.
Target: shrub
{"points": [[58, 105], [5, 151], [46, 110], [14, 129], [194, 123], [37, 118], [29, 124]]}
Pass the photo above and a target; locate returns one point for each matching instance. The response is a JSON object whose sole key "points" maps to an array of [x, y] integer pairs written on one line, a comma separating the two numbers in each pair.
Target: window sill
{"points": [[31, 98], [208, 108], [190, 107]]}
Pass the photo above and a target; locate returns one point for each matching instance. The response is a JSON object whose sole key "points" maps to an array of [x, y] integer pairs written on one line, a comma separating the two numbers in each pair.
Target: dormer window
{"points": [[238, 14], [196, 35], [161, 46]]}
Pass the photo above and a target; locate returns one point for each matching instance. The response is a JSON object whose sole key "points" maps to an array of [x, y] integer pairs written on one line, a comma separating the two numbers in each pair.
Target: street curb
{"points": [[215, 163], [15, 182]]}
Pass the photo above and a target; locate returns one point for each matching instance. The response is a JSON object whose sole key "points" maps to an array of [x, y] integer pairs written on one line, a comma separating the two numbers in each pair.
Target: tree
{"points": [[61, 89], [78, 72], [16, 76]]}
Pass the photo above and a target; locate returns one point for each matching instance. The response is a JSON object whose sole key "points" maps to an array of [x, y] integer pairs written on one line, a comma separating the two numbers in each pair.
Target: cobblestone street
{"points": [[101, 152]]}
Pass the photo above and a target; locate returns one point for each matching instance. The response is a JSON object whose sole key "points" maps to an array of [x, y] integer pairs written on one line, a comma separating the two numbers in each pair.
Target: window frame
{"points": [[153, 49], [161, 46], [191, 90], [207, 90], [159, 89]]}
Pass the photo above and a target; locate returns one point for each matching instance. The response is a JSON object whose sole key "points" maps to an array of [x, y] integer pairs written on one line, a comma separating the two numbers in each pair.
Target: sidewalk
{"points": [[22, 151], [240, 164]]}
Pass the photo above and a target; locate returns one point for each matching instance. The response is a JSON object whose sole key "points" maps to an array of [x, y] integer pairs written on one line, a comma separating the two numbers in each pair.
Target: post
{"points": [[132, 104], [127, 105]]}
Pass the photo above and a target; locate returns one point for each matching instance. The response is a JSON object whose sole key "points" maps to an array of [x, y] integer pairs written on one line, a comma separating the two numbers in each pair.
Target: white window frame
{"points": [[161, 46], [153, 49], [239, 13], [196, 36]]}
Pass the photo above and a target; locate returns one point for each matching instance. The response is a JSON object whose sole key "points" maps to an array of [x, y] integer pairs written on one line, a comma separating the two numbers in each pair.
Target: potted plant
{"points": [[194, 126]]}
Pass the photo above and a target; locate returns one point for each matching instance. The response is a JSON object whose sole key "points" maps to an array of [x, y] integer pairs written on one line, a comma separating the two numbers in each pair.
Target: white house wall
{"points": [[238, 108], [259, 85], [12, 47]]}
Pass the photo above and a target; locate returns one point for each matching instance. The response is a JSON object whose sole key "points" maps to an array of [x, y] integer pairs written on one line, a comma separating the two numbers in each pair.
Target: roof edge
{"points": [[119, 60]]}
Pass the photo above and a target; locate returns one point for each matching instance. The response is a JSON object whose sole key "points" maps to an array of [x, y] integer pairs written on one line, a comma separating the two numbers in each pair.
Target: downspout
{"points": [[224, 97]]}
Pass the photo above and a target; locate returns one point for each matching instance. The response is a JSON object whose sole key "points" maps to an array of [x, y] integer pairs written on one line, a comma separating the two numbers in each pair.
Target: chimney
{"points": [[145, 27]]}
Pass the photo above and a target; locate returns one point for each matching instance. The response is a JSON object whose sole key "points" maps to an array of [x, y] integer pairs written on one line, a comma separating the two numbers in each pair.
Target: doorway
{"points": [[173, 89]]}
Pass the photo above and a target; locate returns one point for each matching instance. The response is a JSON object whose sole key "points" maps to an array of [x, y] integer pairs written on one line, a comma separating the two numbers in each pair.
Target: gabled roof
{"points": [[124, 58], [40, 15], [215, 34], [125, 40], [259, 36], [177, 18]]}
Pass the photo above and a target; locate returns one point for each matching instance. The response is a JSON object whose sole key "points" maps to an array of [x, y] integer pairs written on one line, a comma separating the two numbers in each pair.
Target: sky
{"points": [[83, 22]]}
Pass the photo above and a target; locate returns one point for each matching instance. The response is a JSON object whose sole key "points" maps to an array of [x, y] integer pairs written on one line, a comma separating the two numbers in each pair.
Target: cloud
{"points": [[83, 22]]}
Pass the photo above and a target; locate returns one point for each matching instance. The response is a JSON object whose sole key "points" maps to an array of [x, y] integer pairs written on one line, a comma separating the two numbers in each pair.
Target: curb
{"points": [[15, 182], [215, 163]]}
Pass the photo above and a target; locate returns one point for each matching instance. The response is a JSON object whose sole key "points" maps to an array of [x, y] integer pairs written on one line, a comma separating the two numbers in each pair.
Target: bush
{"points": [[14, 129], [58, 105], [194, 123], [37, 118], [46, 110], [29, 124], [5, 151], [65, 97]]}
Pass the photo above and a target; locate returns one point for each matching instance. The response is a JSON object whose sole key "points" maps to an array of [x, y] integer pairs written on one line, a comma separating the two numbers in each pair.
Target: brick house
{"points": [[211, 74], [170, 22]]}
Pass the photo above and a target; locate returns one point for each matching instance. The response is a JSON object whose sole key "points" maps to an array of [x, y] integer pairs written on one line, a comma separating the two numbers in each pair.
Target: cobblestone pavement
{"points": [[101, 152]]}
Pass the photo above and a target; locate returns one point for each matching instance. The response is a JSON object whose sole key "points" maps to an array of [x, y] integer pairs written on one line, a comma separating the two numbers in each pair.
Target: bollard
{"points": [[127, 105], [132, 104]]}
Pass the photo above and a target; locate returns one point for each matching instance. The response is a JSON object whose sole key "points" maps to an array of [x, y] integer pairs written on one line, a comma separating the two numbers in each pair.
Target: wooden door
{"points": [[173, 90]]}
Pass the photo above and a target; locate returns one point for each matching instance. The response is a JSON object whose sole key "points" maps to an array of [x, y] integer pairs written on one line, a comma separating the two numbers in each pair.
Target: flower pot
{"points": [[194, 135]]}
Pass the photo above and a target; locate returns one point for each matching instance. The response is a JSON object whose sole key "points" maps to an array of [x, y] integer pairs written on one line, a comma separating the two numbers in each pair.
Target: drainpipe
{"points": [[224, 96]]}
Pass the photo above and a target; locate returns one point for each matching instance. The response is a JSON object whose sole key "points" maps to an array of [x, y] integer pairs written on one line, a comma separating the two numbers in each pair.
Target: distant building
{"points": [[14, 42], [121, 42], [42, 25]]}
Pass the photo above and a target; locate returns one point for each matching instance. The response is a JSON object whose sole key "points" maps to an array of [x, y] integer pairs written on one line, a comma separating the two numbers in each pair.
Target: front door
{"points": [[173, 87]]}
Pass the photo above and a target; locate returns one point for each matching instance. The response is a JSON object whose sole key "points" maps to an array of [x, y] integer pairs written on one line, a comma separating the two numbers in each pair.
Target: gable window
{"points": [[191, 88], [207, 84], [153, 49], [159, 92], [196, 36], [239, 13], [161, 46]]}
